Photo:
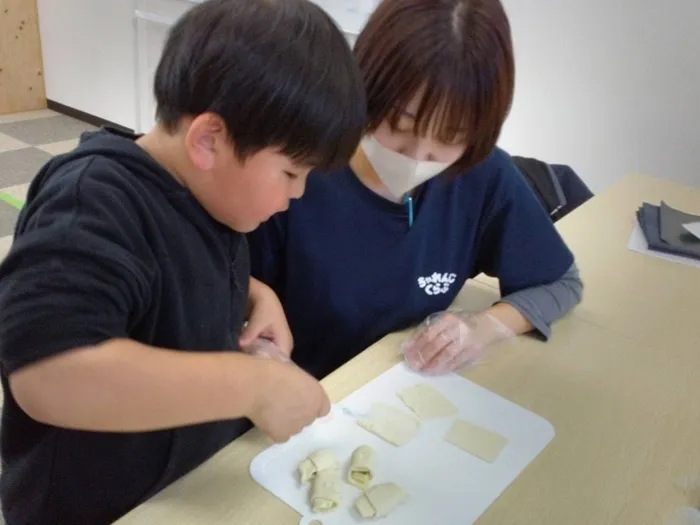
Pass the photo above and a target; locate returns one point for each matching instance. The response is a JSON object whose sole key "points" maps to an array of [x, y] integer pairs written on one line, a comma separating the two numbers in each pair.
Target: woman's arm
{"points": [[452, 339], [538, 307]]}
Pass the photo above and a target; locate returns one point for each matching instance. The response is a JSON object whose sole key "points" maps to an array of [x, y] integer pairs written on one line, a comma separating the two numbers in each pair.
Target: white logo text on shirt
{"points": [[438, 283]]}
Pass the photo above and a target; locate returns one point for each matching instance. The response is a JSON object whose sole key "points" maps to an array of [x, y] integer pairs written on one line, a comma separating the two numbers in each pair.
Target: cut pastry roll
{"points": [[325, 490], [319, 460], [361, 469]]}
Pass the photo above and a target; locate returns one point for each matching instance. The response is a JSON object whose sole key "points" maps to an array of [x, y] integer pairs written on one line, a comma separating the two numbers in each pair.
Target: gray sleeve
{"points": [[542, 305]]}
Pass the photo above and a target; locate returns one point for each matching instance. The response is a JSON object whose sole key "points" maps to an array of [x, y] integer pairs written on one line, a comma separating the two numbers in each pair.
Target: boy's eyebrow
{"points": [[407, 113]]}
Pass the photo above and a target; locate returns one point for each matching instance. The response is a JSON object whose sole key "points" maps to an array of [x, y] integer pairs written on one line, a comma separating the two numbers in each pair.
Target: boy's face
{"points": [[239, 194]]}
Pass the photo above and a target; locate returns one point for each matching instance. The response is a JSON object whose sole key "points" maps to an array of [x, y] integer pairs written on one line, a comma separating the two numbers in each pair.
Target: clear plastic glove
{"points": [[446, 341], [266, 349]]}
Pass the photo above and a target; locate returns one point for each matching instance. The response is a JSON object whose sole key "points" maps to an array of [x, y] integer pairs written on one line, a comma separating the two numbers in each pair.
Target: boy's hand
{"points": [[289, 400], [266, 319], [266, 349]]}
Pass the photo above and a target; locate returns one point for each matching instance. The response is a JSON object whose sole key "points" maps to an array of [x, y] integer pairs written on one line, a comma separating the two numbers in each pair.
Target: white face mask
{"points": [[399, 173]]}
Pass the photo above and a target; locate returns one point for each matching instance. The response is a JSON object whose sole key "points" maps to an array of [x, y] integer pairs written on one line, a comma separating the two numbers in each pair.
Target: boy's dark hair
{"points": [[278, 72], [456, 53]]}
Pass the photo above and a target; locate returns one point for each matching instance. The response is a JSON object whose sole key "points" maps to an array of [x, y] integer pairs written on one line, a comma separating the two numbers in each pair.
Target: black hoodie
{"points": [[109, 245]]}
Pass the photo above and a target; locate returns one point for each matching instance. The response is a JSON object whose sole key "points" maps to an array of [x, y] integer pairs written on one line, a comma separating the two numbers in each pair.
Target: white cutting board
{"points": [[446, 485]]}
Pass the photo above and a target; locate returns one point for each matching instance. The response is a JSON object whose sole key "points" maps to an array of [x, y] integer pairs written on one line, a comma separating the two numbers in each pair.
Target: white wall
{"points": [[88, 55], [91, 62], [608, 86]]}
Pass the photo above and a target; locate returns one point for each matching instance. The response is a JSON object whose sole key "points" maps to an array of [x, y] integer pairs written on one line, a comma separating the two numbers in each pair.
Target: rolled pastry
{"points": [[361, 467], [380, 500], [320, 460], [325, 491], [307, 470]]}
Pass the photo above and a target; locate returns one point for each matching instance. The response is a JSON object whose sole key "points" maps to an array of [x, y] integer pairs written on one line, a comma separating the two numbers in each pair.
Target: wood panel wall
{"points": [[21, 69]]}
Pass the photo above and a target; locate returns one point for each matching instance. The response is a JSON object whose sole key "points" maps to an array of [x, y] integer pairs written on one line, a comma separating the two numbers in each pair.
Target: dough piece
{"points": [[476, 440], [426, 402], [325, 490], [319, 460], [364, 507], [380, 500], [361, 467], [324, 459], [315, 522], [307, 470], [391, 424]]}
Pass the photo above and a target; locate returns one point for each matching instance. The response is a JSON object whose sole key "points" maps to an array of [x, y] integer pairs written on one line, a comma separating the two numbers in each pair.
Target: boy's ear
{"points": [[205, 139]]}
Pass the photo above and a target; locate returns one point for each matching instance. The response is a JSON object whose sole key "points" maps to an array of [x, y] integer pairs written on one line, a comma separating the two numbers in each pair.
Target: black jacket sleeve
{"points": [[79, 272]]}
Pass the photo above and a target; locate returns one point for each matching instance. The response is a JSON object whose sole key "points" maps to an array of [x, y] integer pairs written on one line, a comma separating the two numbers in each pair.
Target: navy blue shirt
{"points": [[349, 269]]}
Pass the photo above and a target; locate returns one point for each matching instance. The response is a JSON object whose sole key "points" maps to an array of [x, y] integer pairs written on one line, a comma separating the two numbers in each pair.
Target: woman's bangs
{"points": [[444, 112]]}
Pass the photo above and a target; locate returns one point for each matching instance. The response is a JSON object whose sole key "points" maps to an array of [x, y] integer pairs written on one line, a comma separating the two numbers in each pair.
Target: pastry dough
{"points": [[320, 460], [324, 459], [380, 500], [476, 440], [307, 470], [426, 402], [364, 507], [362, 467], [325, 490], [391, 424]]}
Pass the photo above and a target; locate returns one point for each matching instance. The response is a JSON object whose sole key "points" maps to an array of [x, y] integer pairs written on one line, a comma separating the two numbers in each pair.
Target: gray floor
{"points": [[27, 142]]}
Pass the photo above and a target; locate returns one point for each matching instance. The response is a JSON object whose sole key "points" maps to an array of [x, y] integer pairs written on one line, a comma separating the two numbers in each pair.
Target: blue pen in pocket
{"points": [[408, 201]]}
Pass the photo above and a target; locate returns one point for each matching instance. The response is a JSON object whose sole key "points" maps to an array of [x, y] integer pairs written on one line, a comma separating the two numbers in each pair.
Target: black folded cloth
{"points": [[664, 232]]}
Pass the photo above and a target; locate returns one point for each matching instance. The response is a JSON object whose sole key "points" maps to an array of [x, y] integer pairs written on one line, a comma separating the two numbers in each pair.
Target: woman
{"points": [[427, 202]]}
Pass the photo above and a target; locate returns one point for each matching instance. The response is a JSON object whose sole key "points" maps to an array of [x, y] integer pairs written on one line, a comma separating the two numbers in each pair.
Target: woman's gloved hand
{"points": [[446, 341]]}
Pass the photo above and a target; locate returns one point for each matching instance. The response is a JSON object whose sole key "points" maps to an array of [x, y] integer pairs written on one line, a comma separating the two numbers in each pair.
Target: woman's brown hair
{"points": [[457, 54]]}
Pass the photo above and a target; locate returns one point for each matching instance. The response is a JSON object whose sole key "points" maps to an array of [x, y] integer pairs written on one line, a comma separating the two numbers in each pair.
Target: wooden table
{"points": [[619, 381]]}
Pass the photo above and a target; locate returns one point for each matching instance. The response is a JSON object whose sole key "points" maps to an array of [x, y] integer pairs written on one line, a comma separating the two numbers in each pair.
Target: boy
{"points": [[124, 295]]}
